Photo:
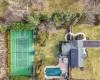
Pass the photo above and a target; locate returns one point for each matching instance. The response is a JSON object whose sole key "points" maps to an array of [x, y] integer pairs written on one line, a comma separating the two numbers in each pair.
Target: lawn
{"points": [[92, 63], [49, 52]]}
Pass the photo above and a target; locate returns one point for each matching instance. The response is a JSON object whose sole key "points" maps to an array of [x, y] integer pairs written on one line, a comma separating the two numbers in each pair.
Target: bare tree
{"points": [[92, 9]]}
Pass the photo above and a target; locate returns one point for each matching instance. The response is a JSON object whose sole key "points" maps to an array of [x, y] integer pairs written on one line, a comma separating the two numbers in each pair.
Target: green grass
{"points": [[49, 52], [92, 63], [3, 7], [65, 5]]}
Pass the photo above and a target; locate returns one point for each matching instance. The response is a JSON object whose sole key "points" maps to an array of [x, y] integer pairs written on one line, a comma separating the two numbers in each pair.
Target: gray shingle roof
{"points": [[75, 50]]}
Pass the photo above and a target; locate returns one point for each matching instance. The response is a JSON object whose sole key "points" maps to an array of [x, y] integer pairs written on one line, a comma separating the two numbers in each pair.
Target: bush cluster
{"points": [[78, 37], [40, 67], [66, 18], [31, 22], [3, 28], [34, 20]]}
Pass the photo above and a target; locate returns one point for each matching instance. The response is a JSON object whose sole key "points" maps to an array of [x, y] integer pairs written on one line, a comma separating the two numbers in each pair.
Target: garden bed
{"points": [[77, 36]]}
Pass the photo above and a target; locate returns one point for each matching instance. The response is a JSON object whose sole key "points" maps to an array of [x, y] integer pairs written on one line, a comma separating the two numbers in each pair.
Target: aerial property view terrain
{"points": [[49, 40]]}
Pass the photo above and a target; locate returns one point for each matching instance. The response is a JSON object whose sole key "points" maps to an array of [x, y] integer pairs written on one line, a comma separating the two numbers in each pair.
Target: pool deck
{"points": [[63, 65]]}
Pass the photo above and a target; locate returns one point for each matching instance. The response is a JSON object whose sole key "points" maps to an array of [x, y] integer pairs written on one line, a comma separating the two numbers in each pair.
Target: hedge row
{"points": [[22, 25], [34, 20], [19, 78], [9, 55]]}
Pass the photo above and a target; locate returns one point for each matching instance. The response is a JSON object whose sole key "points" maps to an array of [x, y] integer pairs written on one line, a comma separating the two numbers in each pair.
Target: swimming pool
{"points": [[53, 71]]}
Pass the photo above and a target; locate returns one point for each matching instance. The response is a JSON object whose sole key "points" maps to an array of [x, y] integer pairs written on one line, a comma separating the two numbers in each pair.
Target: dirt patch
{"points": [[3, 56]]}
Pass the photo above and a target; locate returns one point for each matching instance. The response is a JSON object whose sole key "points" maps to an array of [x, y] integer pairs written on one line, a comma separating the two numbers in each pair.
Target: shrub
{"points": [[58, 18], [79, 37], [19, 78], [34, 19], [3, 28], [42, 37], [70, 18], [70, 37], [39, 63], [65, 18], [44, 17], [21, 25]]}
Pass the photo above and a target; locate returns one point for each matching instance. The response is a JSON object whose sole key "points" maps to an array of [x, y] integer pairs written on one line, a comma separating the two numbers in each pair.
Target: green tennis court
{"points": [[21, 52]]}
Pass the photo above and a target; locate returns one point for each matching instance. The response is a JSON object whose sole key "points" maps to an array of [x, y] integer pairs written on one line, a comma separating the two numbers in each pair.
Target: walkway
{"points": [[63, 64]]}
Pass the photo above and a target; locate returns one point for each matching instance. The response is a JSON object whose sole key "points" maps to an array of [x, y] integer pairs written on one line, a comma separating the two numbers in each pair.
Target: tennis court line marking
{"points": [[22, 52]]}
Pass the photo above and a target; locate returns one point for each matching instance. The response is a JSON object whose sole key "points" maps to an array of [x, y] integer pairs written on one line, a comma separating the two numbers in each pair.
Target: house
{"points": [[74, 50]]}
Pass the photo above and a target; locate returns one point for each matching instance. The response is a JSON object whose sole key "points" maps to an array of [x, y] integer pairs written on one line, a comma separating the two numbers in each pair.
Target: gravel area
{"points": [[3, 56]]}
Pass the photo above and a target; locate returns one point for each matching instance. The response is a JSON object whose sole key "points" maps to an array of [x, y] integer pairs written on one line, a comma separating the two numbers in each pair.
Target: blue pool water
{"points": [[53, 72]]}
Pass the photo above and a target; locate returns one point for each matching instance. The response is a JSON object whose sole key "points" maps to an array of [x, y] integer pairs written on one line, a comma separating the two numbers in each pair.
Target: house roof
{"points": [[76, 51]]}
